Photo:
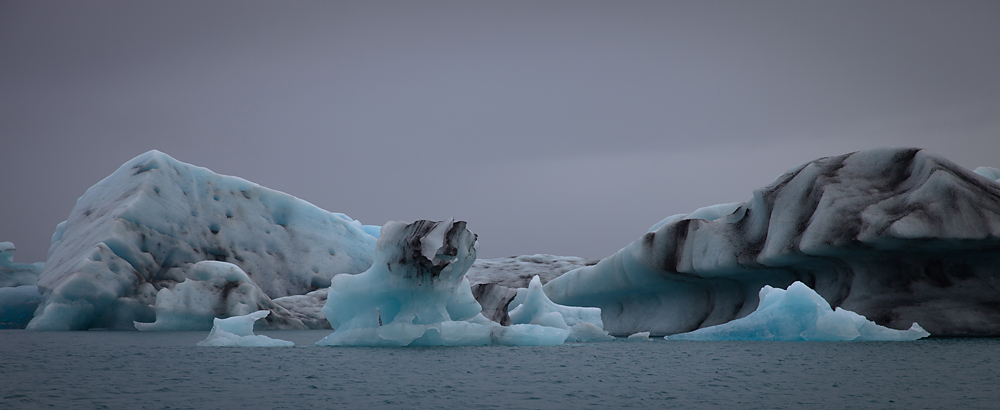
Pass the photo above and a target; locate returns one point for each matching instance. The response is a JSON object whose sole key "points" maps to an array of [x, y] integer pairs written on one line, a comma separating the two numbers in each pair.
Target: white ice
{"points": [[638, 337], [213, 289], [516, 271], [988, 172], [141, 229], [800, 314], [238, 331], [708, 213]]}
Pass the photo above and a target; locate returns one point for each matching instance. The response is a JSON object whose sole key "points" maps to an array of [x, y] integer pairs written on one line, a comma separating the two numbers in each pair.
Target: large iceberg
{"points": [[416, 293], [141, 231], [896, 234], [238, 331], [800, 314]]}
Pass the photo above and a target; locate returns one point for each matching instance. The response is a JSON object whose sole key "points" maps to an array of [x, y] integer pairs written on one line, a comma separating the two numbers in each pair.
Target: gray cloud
{"points": [[556, 127]]}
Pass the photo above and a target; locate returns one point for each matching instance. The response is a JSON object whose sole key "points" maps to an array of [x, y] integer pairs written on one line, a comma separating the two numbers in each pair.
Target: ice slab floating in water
{"points": [[238, 331], [531, 306], [799, 313]]}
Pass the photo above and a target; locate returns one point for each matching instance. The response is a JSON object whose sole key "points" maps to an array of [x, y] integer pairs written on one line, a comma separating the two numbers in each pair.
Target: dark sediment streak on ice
{"points": [[897, 235]]}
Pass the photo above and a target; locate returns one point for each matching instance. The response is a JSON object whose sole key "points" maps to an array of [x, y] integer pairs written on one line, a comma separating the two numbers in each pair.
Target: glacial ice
{"points": [[16, 274], [989, 172], [141, 230], [416, 293], [213, 290], [638, 337], [896, 234], [17, 305], [495, 281], [800, 314], [19, 295], [517, 271], [535, 308], [238, 331], [708, 213], [307, 308]]}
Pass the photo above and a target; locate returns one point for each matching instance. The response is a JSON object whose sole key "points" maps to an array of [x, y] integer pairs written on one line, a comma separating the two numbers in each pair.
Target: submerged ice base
{"points": [[800, 314], [238, 331]]}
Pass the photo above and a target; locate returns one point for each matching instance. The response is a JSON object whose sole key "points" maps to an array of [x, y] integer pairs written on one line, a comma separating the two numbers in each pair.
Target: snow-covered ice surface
{"points": [[416, 293], [800, 314], [16, 274], [238, 331], [896, 234], [141, 229]]}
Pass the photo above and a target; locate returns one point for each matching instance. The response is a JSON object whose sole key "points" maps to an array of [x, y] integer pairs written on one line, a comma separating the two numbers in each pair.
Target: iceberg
{"points": [[238, 331], [532, 307], [307, 308], [143, 228], [898, 235], [17, 274], [495, 281], [638, 337], [988, 172], [213, 290], [800, 314], [416, 294], [19, 295]]}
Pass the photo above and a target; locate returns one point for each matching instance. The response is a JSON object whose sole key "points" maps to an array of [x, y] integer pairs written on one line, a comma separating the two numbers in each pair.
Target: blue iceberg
{"points": [[800, 314]]}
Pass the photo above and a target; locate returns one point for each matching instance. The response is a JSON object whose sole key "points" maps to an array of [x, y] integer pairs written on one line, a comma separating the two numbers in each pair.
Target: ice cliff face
{"points": [[141, 230], [897, 235]]}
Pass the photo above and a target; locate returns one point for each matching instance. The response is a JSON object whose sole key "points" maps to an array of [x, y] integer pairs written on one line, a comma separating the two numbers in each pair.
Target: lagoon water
{"points": [[135, 370]]}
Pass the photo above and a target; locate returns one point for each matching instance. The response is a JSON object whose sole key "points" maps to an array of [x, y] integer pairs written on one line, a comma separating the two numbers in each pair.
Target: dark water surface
{"points": [[133, 370]]}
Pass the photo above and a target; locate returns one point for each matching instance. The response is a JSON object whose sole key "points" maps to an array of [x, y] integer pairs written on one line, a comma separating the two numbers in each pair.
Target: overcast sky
{"points": [[562, 127]]}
